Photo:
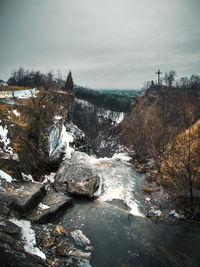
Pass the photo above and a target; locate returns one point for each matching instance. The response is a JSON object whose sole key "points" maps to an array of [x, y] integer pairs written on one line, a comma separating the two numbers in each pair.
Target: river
{"points": [[115, 223]]}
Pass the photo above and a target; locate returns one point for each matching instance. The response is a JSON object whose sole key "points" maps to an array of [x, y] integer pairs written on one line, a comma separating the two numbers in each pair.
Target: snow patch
{"points": [[57, 118], [17, 114], [49, 178], [176, 215], [28, 236], [5, 176], [156, 212], [5, 140], [42, 206], [102, 113], [64, 146], [66, 139], [28, 177]]}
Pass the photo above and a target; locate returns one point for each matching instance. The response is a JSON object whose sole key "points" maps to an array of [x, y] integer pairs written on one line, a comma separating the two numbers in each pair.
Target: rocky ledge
{"points": [[79, 175], [24, 241]]}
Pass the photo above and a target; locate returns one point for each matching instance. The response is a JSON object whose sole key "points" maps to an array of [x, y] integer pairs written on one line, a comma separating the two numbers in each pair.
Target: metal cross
{"points": [[158, 73]]}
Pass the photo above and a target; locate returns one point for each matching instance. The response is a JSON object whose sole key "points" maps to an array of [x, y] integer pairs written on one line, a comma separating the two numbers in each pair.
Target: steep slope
{"points": [[24, 129], [154, 119]]}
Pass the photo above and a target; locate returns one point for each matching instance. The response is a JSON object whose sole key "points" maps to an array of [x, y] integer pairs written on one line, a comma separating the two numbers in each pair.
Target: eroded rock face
{"points": [[58, 244], [51, 205], [80, 239], [79, 174], [85, 186], [12, 251]]}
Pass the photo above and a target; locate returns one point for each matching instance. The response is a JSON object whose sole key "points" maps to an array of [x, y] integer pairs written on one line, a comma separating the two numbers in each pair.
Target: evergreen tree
{"points": [[69, 84]]}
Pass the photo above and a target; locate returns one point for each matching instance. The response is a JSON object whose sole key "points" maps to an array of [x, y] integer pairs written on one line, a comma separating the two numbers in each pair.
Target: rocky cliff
{"points": [[25, 127]]}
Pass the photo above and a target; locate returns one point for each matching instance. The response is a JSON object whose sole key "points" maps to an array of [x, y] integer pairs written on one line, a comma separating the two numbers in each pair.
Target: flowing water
{"points": [[119, 231]]}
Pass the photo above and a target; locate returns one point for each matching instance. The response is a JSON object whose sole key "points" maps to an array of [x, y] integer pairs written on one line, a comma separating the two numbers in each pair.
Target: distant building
{"points": [[2, 83]]}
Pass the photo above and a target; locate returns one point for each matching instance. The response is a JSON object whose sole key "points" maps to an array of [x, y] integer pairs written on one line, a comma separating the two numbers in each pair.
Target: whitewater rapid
{"points": [[118, 180]]}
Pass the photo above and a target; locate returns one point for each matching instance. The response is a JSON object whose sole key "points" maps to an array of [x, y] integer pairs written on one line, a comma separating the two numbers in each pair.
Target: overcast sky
{"points": [[106, 43]]}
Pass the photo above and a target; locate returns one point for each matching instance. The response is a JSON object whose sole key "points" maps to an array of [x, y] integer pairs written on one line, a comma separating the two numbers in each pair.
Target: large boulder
{"points": [[51, 205], [79, 174]]}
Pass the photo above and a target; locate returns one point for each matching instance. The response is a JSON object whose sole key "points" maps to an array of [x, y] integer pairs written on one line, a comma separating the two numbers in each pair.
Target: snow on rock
{"points": [[116, 117], [5, 176], [3, 133], [56, 118], [29, 178], [49, 178], [156, 212], [120, 117], [4, 139], [43, 206], [28, 236], [17, 114], [74, 130], [64, 144], [66, 139], [175, 214]]}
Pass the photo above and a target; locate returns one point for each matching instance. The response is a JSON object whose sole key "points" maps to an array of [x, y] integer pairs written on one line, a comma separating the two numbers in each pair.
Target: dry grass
{"points": [[13, 88], [4, 110]]}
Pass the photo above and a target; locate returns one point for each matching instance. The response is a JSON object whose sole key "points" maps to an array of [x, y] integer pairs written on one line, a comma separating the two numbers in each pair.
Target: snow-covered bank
{"points": [[5, 176], [5, 140], [28, 236], [116, 117]]}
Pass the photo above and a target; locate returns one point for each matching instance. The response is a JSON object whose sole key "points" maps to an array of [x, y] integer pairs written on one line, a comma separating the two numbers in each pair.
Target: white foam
{"points": [[119, 183], [117, 179], [122, 156]]}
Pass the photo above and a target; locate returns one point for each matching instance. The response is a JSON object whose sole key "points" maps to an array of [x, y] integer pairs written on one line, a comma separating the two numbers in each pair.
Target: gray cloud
{"points": [[106, 44]]}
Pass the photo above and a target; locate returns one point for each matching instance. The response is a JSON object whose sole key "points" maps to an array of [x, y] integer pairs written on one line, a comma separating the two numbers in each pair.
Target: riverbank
{"points": [[169, 206]]}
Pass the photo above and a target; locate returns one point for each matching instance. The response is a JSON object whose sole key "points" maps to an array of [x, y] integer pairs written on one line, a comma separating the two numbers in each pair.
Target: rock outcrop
{"points": [[25, 127], [51, 205], [12, 252], [79, 175], [25, 243]]}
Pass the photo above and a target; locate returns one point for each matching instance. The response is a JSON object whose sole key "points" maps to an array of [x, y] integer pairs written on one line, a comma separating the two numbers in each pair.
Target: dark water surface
{"points": [[123, 240], [124, 237]]}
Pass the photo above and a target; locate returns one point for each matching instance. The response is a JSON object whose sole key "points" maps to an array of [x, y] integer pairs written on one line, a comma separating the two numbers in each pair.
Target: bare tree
{"points": [[169, 78], [182, 155]]}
